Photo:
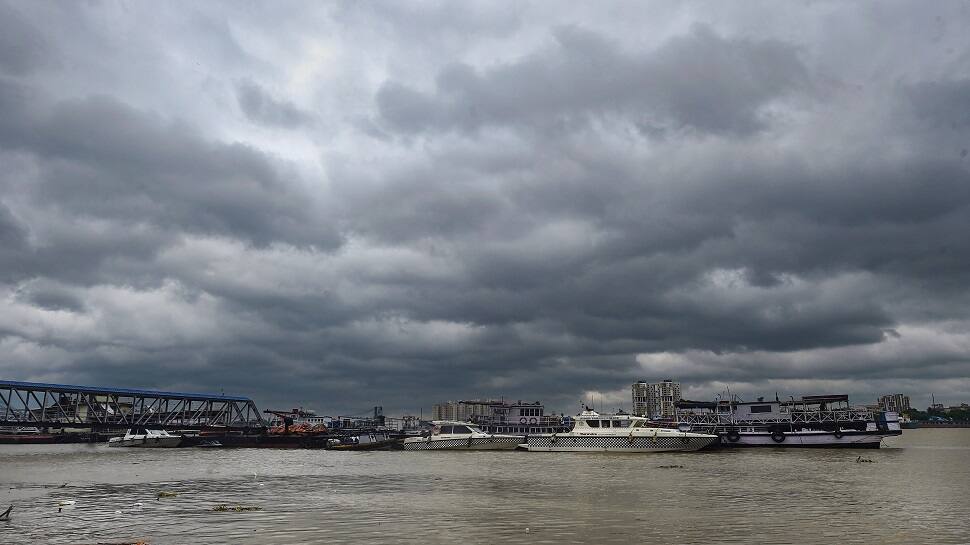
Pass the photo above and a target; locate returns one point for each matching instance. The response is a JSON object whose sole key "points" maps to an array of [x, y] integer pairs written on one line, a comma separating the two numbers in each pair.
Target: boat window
{"points": [[593, 423], [761, 408], [621, 423], [461, 429], [445, 429]]}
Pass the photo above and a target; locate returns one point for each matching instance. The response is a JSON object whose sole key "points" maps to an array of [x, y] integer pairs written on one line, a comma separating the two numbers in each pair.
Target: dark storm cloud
{"points": [[13, 242], [261, 107], [51, 296], [103, 159], [22, 47], [584, 75], [505, 202]]}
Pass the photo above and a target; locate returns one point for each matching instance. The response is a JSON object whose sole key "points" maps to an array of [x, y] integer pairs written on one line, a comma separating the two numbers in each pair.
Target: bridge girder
{"points": [[59, 405]]}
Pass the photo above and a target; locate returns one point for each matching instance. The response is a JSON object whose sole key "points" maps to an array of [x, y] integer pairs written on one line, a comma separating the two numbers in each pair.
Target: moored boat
{"points": [[14, 435], [594, 432], [363, 440], [812, 421], [449, 435], [146, 438]]}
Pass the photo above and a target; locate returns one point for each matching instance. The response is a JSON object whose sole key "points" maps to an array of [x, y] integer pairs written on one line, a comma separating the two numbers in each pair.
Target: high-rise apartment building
{"points": [[894, 402], [655, 400]]}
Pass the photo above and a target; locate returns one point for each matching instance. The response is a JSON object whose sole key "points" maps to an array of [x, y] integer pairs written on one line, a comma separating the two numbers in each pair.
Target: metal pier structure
{"points": [[65, 406]]}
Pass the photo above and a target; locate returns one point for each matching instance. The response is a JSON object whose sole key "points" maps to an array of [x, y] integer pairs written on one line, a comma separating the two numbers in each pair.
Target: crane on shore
{"points": [[288, 419]]}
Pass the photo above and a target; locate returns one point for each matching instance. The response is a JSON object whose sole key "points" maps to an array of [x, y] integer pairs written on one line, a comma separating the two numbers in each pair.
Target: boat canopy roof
{"points": [[688, 404], [825, 399], [593, 415]]}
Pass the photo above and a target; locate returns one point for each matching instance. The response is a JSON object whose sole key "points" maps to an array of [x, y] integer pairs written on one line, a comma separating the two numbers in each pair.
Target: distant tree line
{"points": [[957, 415]]}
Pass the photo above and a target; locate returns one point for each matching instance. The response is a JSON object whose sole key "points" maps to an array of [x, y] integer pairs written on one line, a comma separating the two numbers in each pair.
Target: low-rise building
{"points": [[499, 416]]}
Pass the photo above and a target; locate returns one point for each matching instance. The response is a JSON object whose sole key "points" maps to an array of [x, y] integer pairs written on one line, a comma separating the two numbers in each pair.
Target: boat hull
{"points": [[618, 443], [147, 442], [472, 443], [807, 439], [26, 439], [375, 445]]}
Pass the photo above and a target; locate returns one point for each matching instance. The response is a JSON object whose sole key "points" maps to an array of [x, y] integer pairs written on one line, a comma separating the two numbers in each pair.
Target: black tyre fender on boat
{"points": [[733, 436], [778, 436], [837, 433]]}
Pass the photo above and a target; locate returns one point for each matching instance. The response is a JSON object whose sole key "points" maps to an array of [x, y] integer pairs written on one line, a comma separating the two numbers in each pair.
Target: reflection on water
{"points": [[916, 491]]}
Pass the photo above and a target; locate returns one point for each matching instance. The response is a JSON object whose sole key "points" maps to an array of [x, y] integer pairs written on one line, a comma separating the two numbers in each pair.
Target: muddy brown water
{"points": [[916, 491]]}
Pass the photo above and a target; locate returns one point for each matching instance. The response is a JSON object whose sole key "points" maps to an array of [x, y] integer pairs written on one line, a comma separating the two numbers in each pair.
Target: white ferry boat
{"points": [[594, 432], [449, 435], [146, 438], [812, 421]]}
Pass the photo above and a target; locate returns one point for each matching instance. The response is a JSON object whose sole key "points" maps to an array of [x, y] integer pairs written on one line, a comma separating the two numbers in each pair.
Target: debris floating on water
{"points": [[166, 494], [237, 508], [861, 460], [670, 467], [6, 514]]}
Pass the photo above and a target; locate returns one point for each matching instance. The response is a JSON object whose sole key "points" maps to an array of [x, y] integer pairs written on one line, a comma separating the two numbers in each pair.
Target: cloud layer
{"points": [[344, 206]]}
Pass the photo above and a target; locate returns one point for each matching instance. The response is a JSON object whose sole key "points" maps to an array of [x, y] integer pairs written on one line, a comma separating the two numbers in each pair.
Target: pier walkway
{"points": [[66, 406]]}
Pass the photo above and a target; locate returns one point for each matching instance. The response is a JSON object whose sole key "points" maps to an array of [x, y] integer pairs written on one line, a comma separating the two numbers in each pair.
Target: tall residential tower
{"points": [[655, 400]]}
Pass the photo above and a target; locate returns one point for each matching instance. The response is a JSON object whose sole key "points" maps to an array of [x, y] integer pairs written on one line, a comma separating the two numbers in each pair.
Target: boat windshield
{"points": [[456, 429]]}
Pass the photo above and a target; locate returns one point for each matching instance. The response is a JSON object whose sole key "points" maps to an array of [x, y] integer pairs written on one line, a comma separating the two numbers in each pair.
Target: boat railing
{"points": [[797, 417], [834, 415], [705, 419]]}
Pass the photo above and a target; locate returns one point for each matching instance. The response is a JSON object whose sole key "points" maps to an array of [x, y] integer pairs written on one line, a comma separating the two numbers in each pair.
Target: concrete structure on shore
{"points": [[655, 400], [461, 410]]}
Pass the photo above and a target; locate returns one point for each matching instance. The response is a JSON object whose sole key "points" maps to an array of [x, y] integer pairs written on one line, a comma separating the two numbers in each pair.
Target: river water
{"points": [[916, 491]]}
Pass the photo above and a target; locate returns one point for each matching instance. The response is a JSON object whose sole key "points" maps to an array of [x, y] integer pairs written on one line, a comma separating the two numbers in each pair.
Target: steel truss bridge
{"points": [[29, 404]]}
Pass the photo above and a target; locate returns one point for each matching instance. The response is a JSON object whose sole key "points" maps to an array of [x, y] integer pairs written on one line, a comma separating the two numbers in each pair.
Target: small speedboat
{"points": [[594, 432], [146, 438], [450, 435], [363, 440]]}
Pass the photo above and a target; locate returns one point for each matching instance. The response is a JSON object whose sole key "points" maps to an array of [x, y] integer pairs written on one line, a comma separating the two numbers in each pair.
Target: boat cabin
{"points": [[590, 421], [447, 427], [758, 410]]}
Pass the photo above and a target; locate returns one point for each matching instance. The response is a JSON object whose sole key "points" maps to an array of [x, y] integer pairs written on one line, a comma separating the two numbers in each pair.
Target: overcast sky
{"points": [[360, 203]]}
